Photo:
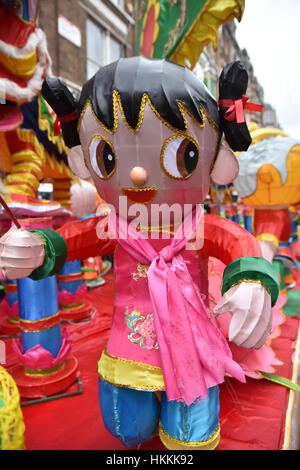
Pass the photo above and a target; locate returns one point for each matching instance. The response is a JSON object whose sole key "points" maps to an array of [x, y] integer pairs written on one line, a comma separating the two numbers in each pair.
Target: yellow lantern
{"points": [[11, 418]]}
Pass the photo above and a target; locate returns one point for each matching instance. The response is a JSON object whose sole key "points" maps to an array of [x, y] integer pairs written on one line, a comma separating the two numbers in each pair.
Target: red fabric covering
{"points": [[275, 222], [222, 239], [252, 415], [13, 30], [82, 239], [15, 144], [227, 240]]}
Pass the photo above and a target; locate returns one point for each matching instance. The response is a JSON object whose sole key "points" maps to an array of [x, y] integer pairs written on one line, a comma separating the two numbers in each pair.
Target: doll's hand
{"points": [[250, 305], [268, 250], [21, 252]]}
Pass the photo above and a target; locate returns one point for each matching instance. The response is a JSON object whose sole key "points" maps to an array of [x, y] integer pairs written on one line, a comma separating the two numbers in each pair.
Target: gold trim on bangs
{"points": [[102, 137], [162, 152], [183, 110], [145, 99]]}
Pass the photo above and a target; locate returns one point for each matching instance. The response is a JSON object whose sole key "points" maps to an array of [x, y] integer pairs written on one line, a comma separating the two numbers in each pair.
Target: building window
{"points": [[119, 3], [102, 48], [94, 47], [116, 50]]}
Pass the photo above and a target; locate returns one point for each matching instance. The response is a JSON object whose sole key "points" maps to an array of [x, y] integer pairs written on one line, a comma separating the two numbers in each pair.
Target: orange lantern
{"points": [[269, 172]]}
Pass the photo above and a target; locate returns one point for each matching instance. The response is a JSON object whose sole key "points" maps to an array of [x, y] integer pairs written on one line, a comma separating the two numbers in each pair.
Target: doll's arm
{"points": [[40, 253], [226, 240], [241, 252], [88, 237], [250, 285], [74, 240]]}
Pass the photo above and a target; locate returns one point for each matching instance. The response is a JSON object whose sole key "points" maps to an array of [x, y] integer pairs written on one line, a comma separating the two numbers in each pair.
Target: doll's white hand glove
{"points": [[21, 252], [250, 305]]}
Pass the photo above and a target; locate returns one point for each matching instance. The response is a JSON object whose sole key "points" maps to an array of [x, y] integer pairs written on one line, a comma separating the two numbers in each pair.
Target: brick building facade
{"points": [[83, 35]]}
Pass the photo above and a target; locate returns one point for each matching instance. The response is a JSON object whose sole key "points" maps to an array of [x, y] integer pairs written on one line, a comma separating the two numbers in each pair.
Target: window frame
{"points": [[107, 36]]}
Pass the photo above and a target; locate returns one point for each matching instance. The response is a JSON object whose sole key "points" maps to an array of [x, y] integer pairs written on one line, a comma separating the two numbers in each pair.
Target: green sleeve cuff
{"points": [[252, 269], [56, 253]]}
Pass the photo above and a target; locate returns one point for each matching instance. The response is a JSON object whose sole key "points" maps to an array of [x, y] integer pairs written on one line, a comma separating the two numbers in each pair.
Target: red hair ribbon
{"points": [[236, 108], [67, 118], [56, 126]]}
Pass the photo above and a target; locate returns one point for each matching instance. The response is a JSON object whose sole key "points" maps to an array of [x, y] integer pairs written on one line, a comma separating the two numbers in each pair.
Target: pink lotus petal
{"points": [[38, 357], [253, 360], [66, 298], [10, 310]]}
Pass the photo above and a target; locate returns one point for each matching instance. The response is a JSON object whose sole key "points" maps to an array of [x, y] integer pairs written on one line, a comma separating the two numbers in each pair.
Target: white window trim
{"points": [[119, 24], [105, 26], [106, 36], [119, 7], [121, 10], [106, 46]]}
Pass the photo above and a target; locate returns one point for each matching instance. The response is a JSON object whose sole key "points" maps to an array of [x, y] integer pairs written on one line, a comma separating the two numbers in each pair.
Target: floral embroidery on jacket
{"points": [[142, 270], [142, 329]]}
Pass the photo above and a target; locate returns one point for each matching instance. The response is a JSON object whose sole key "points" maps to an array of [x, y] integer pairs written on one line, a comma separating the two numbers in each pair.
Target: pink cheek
{"points": [[107, 192], [181, 194]]}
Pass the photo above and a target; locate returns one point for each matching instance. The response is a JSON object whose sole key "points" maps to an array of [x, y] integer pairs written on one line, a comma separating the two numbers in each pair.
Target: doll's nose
{"points": [[138, 175]]}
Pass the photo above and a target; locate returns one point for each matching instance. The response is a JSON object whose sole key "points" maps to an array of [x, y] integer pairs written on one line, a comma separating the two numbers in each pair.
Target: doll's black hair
{"points": [[233, 83], [166, 84]]}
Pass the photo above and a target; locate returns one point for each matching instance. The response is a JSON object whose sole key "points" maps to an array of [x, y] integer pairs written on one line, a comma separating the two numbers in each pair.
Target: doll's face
{"points": [[154, 164]]}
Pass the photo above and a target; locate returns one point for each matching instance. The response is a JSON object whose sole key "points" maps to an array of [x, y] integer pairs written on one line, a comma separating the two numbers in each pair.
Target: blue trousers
{"points": [[133, 416]]}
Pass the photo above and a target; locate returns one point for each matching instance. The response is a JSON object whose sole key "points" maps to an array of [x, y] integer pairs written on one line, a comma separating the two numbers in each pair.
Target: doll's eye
{"points": [[103, 159], [180, 157]]}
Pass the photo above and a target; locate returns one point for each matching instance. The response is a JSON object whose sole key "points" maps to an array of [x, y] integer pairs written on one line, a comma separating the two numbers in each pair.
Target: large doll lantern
{"points": [[149, 130]]}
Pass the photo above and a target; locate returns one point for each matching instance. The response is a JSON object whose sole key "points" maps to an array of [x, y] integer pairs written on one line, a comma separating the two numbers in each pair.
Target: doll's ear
{"points": [[77, 163], [226, 167]]}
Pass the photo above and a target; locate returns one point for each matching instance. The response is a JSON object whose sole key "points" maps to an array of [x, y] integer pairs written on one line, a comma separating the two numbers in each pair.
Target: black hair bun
{"points": [[63, 103], [233, 84]]}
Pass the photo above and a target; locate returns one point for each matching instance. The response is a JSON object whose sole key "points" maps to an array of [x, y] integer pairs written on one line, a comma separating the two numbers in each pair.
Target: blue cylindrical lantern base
{"points": [[72, 292], [43, 348]]}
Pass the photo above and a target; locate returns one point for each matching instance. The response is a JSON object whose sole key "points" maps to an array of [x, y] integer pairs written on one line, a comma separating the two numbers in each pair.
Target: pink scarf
{"points": [[194, 354]]}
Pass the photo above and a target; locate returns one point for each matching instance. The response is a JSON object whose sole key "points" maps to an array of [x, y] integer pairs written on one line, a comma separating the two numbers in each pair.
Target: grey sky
{"points": [[270, 31]]}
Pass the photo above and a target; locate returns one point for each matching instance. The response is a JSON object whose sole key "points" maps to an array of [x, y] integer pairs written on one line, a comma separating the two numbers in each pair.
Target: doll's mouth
{"points": [[140, 195]]}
